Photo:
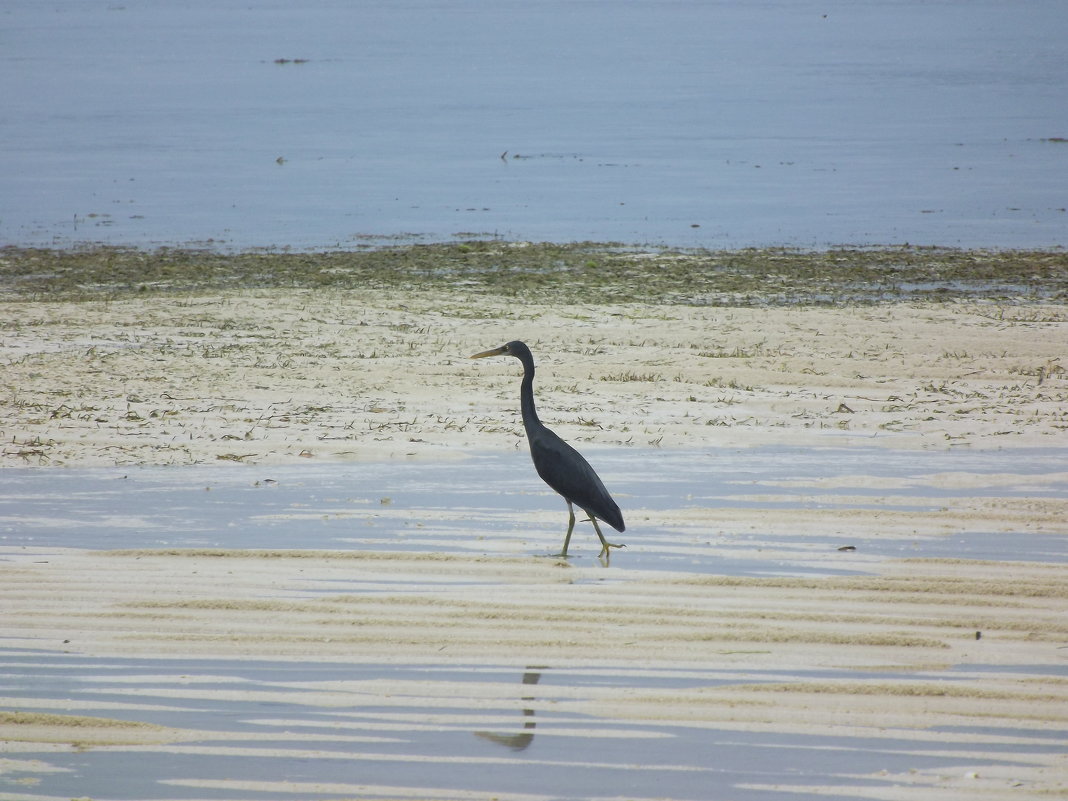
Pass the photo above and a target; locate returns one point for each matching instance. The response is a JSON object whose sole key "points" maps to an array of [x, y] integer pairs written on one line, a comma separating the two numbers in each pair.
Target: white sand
{"points": [[273, 377]]}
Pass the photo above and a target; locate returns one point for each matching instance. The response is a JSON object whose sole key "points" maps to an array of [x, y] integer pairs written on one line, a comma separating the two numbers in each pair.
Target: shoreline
{"points": [[549, 272]]}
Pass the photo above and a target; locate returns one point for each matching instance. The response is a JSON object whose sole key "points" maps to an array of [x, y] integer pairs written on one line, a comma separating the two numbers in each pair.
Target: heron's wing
{"points": [[566, 471]]}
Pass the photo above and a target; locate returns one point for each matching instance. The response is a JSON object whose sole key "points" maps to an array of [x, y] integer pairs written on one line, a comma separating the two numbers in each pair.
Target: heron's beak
{"points": [[494, 352]]}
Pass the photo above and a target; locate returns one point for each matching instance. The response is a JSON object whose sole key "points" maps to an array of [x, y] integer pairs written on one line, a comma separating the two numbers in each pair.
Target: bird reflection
{"points": [[520, 740]]}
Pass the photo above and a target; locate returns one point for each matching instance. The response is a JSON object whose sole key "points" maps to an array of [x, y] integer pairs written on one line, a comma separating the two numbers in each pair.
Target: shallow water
{"points": [[323, 728], [256, 719], [494, 504], [719, 124]]}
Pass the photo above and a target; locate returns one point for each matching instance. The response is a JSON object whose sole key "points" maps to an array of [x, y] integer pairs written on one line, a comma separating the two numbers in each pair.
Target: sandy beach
{"points": [[884, 677], [270, 376]]}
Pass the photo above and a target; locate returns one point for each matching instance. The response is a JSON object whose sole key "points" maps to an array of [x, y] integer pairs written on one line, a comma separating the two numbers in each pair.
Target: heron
{"points": [[559, 465]]}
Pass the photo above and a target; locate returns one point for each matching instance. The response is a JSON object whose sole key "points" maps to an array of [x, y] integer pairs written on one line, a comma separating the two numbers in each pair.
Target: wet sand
{"points": [[426, 674]]}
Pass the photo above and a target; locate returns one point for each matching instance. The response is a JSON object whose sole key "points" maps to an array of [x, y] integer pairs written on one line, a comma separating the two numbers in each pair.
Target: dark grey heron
{"points": [[561, 466]]}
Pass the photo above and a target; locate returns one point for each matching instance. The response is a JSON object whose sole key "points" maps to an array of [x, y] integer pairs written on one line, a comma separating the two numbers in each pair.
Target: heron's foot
{"points": [[605, 545]]}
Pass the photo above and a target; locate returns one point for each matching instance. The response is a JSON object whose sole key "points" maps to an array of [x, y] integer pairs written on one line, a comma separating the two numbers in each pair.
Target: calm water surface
{"points": [[495, 505], [720, 124]]}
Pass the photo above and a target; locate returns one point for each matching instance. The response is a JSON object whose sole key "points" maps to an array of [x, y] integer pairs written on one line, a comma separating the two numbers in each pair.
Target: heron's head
{"points": [[515, 348]]}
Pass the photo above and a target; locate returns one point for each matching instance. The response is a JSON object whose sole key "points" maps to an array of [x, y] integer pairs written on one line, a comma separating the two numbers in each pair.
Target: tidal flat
{"points": [[266, 532]]}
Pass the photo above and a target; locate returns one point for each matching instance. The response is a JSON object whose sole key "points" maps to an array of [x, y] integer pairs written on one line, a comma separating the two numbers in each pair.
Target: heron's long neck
{"points": [[526, 397]]}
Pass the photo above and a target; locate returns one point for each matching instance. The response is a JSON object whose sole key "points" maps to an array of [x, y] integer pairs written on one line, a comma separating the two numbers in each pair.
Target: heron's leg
{"points": [[605, 544], [570, 526]]}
